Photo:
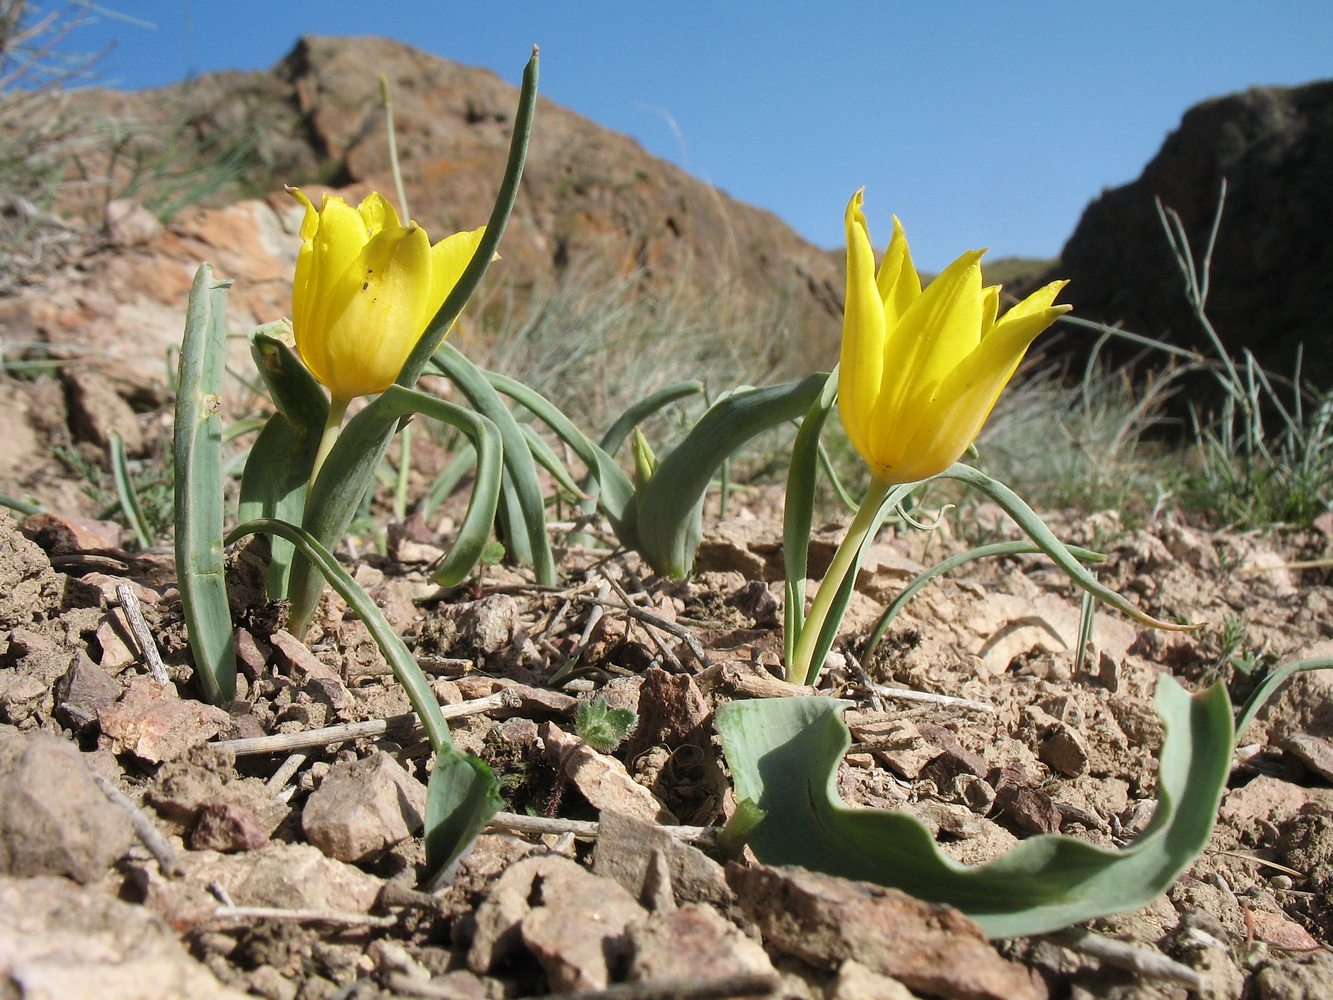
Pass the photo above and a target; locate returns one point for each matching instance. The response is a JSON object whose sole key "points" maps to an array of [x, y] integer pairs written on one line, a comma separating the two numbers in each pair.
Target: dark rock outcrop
{"points": [[1271, 266]]}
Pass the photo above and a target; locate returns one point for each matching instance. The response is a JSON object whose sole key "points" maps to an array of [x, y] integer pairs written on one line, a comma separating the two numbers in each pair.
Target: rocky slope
{"points": [[589, 195]]}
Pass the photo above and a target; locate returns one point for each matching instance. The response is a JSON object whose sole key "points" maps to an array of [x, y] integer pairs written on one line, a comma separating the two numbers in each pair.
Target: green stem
{"points": [[800, 670], [332, 424]]}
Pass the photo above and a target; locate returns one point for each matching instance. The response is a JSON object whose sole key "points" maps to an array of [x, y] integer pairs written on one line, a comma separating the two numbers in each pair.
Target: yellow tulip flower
{"points": [[921, 369], [364, 290]]}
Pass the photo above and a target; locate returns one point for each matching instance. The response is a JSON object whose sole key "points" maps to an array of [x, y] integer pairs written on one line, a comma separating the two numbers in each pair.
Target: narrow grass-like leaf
{"points": [[784, 755], [523, 509], [614, 489], [447, 480], [670, 507], [463, 793], [953, 562], [846, 585], [1036, 529], [24, 507], [798, 511], [1270, 684], [458, 297], [197, 447], [640, 411], [129, 502], [547, 458]]}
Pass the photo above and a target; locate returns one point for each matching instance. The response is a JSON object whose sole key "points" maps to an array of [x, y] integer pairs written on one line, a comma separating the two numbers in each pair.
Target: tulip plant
{"points": [[920, 369], [372, 301]]}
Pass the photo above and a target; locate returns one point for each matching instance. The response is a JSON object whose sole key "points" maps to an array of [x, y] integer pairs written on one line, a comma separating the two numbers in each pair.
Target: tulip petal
{"points": [[862, 357], [941, 328], [374, 314], [377, 213], [964, 398], [899, 284], [448, 260]]}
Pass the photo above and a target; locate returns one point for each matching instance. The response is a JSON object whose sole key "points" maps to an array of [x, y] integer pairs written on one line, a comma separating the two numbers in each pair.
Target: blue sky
{"points": [[977, 123]]}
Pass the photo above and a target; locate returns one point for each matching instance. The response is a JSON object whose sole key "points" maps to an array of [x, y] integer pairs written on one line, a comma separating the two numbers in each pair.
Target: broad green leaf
{"points": [[670, 508], [461, 797], [463, 793], [197, 447], [784, 755], [277, 470]]}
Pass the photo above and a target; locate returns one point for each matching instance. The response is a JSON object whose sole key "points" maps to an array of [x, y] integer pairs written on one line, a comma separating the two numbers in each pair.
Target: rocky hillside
{"points": [[592, 199], [1273, 148]]}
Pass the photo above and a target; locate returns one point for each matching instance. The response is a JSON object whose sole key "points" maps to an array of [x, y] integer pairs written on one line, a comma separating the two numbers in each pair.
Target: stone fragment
{"points": [[1309, 755], [1028, 808], [60, 941], [97, 412], [54, 820], [1280, 931], [578, 931], [692, 942], [898, 744], [294, 876], [952, 762], [856, 982], [1301, 977], [571, 920], [363, 807], [61, 535], [825, 920], [83, 691], [625, 851], [1063, 750], [672, 712], [183, 789], [601, 779], [225, 827], [156, 725]]}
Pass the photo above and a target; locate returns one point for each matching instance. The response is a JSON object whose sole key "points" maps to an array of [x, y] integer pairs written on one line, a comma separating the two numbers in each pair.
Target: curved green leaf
{"points": [[463, 793], [953, 562], [523, 508], [336, 496], [641, 410], [784, 755], [615, 491], [1036, 529], [670, 514], [1271, 682]]}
